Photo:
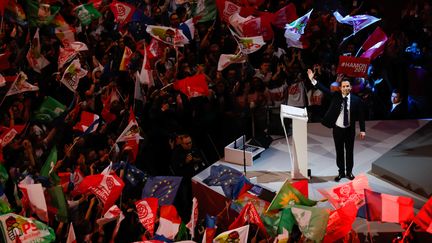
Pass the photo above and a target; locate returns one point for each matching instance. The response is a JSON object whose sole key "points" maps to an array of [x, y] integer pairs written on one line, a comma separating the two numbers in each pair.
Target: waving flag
{"points": [[147, 212], [49, 109], [237, 22], [73, 74], [64, 32], [18, 12], [131, 132], [289, 196], [71, 235], [65, 56], [20, 85], [40, 13], [7, 135], [107, 188], [260, 26], [210, 230], [193, 86], [285, 16], [48, 167], [58, 201], [168, 35], [34, 57], [86, 13], [388, 208], [347, 192], [169, 222], [358, 22], [424, 217], [122, 12], [249, 45], [248, 215], [312, 222], [226, 9], [227, 59], [113, 213], [146, 74], [188, 28], [30, 230], [340, 222], [194, 218], [206, 10], [374, 44], [295, 30], [239, 235], [127, 55], [34, 195], [163, 188], [88, 123]]}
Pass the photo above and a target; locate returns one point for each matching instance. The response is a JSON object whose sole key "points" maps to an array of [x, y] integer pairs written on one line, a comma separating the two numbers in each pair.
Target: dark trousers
{"points": [[344, 144]]}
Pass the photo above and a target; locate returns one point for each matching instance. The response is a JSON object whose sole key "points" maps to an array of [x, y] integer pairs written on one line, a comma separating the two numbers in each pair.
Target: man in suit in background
{"points": [[344, 110], [398, 109]]}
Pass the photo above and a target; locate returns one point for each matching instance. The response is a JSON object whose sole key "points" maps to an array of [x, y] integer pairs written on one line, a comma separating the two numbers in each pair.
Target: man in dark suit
{"points": [[344, 110], [398, 109]]}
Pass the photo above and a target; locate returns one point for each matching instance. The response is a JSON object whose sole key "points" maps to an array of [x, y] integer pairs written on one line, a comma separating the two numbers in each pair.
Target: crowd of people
{"points": [[397, 87]]}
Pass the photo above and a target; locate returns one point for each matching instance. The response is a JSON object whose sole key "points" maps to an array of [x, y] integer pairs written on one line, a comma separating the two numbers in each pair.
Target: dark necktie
{"points": [[345, 111]]}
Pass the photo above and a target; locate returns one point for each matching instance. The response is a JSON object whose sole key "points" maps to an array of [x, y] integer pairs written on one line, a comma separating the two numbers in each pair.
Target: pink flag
{"points": [[388, 208], [352, 191], [122, 12], [284, 16], [169, 222], [147, 211], [194, 218], [358, 22], [374, 45]]}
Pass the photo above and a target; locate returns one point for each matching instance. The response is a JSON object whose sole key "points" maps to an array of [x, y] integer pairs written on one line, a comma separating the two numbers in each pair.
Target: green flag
{"points": [[271, 222], [40, 13], [182, 233], [4, 176], [48, 166], [287, 221], [86, 13], [206, 9], [312, 221], [288, 196], [49, 109], [4, 207], [58, 200]]}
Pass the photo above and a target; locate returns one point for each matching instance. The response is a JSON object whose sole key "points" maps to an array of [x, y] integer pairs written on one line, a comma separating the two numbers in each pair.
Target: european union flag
{"points": [[134, 175], [162, 187], [224, 176]]}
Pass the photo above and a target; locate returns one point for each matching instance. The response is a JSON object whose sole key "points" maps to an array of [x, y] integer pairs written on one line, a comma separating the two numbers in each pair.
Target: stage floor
{"points": [[274, 165]]}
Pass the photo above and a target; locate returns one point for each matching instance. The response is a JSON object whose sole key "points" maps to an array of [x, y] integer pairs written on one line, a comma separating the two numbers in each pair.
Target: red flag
{"points": [[88, 122], [3, 4], [302, 186], [122, 11], [388, 208], [4, 60], [248, 215], [147, 211], [107, 188], [374, 44], [71, 235], [259, 26], [106, 113], [193, 86], [340, 222], [113, 213], [353, 66], [424, 217], [169, 222], [284, 16], [226, 9]]}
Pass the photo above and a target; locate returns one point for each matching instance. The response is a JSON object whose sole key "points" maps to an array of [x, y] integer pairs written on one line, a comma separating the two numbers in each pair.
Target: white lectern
{"points": [[297, 148]]}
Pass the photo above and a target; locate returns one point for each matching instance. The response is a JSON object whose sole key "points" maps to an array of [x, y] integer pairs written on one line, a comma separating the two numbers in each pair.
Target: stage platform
{"points": [[274, 165], [409, 164]]}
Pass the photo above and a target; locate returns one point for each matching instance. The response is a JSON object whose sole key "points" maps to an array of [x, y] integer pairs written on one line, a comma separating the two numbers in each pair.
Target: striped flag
{"points": [[169, 222], [388, 208], [88, 123]]}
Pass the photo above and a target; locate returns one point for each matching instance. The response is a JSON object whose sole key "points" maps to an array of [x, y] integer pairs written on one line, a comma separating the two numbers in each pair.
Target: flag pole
{"points": [[358, 52], [406, 233]]}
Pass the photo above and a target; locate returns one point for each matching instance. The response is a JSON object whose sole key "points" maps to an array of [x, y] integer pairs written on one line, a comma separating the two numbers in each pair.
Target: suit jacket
{"points": [[399, 112], [356, 109]]}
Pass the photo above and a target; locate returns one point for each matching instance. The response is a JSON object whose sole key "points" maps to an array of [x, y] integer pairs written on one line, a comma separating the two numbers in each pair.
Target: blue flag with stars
{"points": [[163, 188], [224, 176]]}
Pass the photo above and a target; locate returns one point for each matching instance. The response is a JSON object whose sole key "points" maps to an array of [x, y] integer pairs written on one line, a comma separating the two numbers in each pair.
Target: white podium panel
{"points": [[234, 152], [297, 145]]}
